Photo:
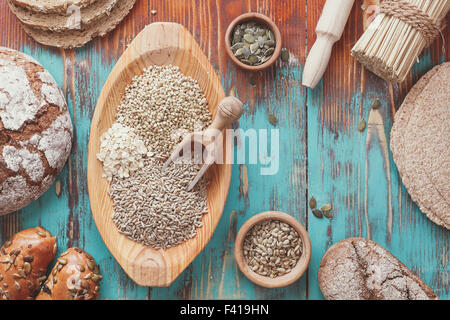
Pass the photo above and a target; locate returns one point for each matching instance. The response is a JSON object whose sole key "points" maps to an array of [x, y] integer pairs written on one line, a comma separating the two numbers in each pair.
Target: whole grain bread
{"points": [[24, 259], [420, 144], [35, 130], [77, 38], [360, 269], [75, 276], [51, 6], [63, 21]]}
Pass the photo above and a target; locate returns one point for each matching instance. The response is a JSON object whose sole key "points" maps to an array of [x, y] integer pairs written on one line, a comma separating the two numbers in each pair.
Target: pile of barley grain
{"points": [[152, 207], [161, 102]]}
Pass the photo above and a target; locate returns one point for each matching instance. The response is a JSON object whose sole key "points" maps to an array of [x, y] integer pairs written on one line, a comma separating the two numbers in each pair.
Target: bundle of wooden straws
{"points": [[394, 40]]}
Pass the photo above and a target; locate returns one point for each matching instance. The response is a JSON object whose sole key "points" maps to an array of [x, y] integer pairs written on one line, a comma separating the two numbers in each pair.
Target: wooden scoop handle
{"points": [[229, 110]]}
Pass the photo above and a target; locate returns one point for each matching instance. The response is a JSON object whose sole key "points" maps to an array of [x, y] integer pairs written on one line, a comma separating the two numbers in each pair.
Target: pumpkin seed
{"points": [[42, 234], [362, 125], [28, 258], [27, 267], [252, 80], [376, 104], [325, 207], [312, 202], [328, 214], [285, 55], [252, 43], [272, 119], [317, 213], [90, 264]]}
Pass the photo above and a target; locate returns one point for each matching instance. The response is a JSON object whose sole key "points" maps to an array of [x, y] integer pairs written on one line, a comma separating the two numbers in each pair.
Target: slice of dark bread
{"points": [[77, 38], [48, 6], [360, 269], [71, 20]]}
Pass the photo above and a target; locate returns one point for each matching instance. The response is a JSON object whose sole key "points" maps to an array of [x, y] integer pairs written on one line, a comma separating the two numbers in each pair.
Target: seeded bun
{"points": [[63, 21], [35, 130], [24, 259], [79, 37], [420, 144], [75, 276], [360, 269]]}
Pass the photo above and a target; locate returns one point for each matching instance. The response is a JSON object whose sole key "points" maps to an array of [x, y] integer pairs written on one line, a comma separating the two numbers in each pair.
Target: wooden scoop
{"points": [[156, 44], [229, 110]]}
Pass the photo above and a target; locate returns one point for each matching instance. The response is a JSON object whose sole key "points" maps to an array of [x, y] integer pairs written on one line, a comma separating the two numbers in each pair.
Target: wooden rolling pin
{"points": [[329, 30]]}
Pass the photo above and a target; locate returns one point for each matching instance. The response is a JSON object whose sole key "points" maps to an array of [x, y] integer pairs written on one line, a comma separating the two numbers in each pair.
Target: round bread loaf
{"points": [[361, 269], [35, 130]]}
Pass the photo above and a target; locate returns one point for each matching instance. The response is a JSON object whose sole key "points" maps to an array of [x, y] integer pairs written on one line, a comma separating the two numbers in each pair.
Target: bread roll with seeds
{"points": [[75, 276], [23, 263], [360, 269]]}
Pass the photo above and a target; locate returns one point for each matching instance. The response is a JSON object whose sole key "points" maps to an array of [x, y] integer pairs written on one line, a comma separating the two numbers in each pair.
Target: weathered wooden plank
{"points": [[355, 172]]}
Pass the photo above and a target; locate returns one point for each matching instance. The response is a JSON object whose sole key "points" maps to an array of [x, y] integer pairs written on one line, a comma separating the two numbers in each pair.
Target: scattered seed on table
{"points": [[272, 119], [325, 207], [312, 203], [376, 104], [317, 213], [328, 214], [252, 80], [362, 125], [285, 55]]}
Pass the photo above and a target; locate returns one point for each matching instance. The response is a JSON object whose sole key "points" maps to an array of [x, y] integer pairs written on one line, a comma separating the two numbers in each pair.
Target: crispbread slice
{"points": [[48, 6], [63, 21], [401, 120], [420, 145], [77, 38]]}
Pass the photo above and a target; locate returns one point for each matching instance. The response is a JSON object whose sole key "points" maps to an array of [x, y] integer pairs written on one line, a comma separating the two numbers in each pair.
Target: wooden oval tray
{"points": [[157, 44]]}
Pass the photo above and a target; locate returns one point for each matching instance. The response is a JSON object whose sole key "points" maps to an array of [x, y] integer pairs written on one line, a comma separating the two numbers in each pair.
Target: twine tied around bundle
{"points": [[412, 15]]}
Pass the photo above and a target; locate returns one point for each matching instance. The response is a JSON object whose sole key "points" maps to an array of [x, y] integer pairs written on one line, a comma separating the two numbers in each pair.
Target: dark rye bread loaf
{"points": [[360, 269], [35, 130], [63, 21], [76, 38], [51, 6]]}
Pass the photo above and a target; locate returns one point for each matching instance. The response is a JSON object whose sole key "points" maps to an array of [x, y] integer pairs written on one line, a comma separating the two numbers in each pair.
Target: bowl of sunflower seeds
{"points": [[253, 41]]}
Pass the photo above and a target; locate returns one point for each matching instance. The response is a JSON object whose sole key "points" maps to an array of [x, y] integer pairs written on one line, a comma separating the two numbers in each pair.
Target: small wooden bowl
{"points": [[286, 279], [263, 20]]}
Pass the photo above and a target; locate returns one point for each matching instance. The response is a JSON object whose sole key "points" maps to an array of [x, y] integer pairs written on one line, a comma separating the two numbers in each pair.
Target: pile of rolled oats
{"points": [[150, 206], [121, 152]]}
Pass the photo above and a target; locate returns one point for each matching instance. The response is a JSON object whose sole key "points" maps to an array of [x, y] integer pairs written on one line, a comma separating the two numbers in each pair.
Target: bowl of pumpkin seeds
{"points": [[272, 249], [253, 41]]}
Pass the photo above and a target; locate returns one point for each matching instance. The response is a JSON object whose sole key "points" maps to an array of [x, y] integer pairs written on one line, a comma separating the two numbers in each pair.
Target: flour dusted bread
{"points": [[78, 37], [49, 6], [360, 269], [24, 259], [35, 130], [63, 21], [420, 143], [75, 276]]}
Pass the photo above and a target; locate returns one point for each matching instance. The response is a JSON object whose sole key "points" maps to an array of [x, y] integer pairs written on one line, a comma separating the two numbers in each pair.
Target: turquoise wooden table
{"points": [[322, 153]]}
